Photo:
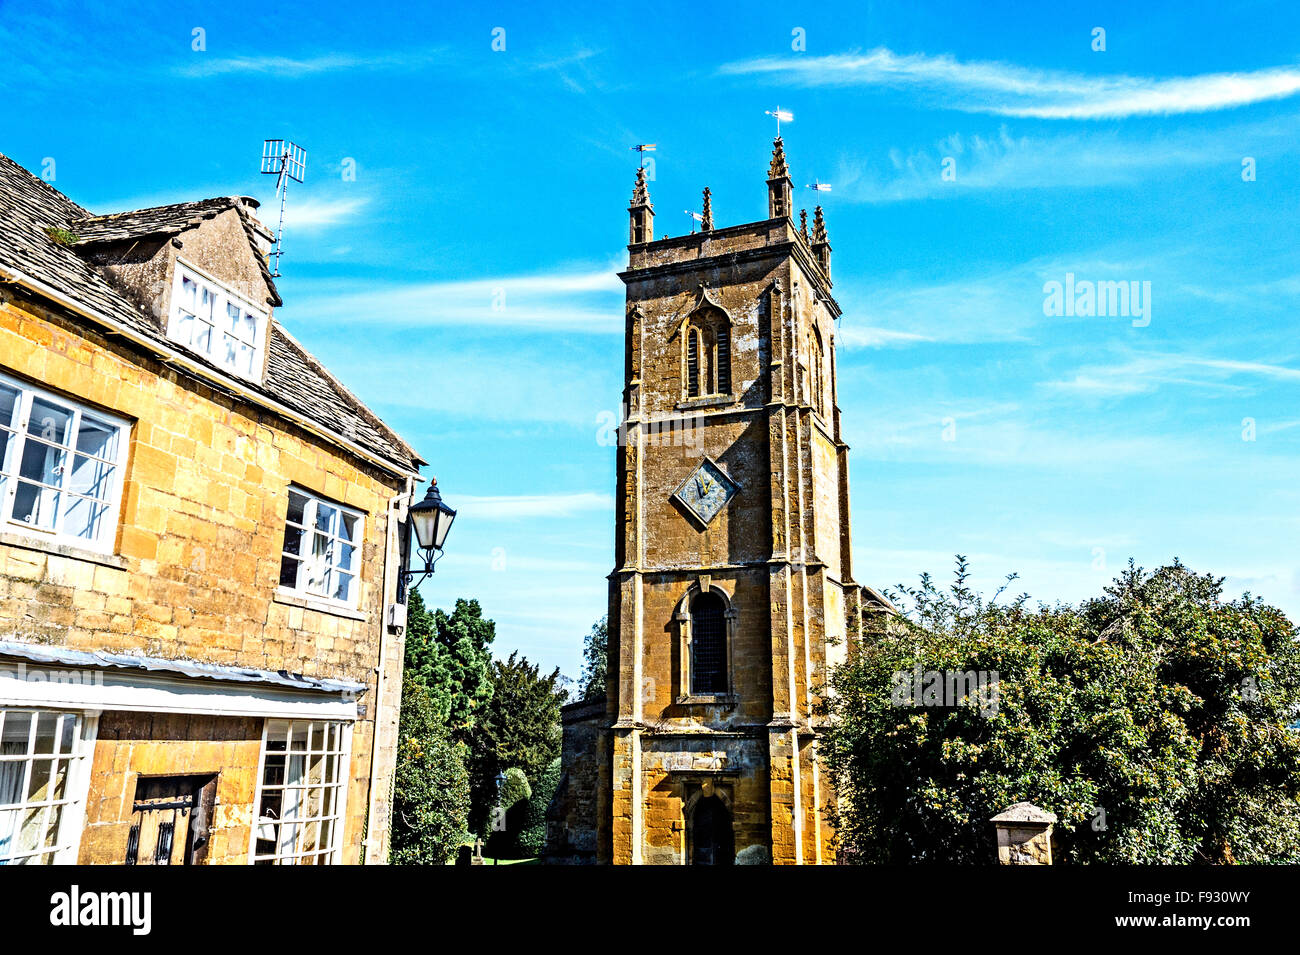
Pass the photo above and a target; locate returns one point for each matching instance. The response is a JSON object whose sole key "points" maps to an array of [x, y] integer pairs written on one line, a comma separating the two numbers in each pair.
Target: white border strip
{"points": [[67, 688]]}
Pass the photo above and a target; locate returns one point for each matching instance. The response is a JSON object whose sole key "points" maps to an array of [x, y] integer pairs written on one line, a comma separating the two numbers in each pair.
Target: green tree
{"points": [[1152, 720], [451, 656], [431, 786], [595, 660], [520, 726], [531, 833]]}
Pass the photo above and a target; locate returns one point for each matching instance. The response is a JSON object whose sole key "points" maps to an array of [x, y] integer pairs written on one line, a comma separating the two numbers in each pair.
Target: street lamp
{"points": [[432, 520]]}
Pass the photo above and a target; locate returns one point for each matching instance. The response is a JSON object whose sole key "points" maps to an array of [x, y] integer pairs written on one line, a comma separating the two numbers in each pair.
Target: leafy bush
{"points": [[519, 727], [431, 785], [514, 788], [754, 855], [531, 838], [1152, 721]]}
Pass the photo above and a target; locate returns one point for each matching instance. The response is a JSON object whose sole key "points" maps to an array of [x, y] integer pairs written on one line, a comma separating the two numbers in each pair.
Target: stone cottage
{"points": [[201, 533]]}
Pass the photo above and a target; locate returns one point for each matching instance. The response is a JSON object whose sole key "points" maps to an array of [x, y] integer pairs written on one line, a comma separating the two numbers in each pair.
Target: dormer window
{"points": [[216, 322]]}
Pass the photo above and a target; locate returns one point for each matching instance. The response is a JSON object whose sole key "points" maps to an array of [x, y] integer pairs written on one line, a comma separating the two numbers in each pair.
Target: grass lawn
{"points": [[487, 861]]}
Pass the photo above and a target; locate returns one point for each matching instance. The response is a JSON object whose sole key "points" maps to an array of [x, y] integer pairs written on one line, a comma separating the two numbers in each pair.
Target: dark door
{"points": [[712, 841], [171, 816]]}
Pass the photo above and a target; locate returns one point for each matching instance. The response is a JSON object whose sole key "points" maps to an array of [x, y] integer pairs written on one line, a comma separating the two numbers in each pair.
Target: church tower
{"points": [[732, 592]]}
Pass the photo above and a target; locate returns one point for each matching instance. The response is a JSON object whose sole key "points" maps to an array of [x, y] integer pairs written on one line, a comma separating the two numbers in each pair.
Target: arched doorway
{"points": [[712, 840]]}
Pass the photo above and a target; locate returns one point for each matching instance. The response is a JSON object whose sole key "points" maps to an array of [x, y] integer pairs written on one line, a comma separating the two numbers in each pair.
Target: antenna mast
{"points": [[285, 161]]}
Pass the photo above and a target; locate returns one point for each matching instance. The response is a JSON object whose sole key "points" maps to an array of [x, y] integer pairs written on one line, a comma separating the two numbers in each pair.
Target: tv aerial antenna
{"points": [[285, 161]]}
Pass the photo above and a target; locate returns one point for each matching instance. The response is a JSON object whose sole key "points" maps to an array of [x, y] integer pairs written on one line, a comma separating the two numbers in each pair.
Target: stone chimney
{"points": [[265, 239], [642, 214], [778, 183]]}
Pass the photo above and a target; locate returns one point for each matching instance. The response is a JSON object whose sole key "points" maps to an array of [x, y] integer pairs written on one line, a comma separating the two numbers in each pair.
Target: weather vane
{"points": [[285, 161], [817, 186], [780, 114], [695, 217], [642, 149]]}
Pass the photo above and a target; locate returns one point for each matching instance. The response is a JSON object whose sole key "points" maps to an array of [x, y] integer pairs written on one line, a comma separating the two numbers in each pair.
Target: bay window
{"points": [[43, 779], [301, 793]]}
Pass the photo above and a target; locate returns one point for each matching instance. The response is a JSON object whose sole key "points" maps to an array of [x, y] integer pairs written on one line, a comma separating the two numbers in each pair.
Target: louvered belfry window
{"points": [[693, 364], [708, 645], [724, 359], [708, 356]]}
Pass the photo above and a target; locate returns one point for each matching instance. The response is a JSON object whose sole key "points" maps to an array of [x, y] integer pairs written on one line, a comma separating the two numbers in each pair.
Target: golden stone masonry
{"points": [[732, 592]]}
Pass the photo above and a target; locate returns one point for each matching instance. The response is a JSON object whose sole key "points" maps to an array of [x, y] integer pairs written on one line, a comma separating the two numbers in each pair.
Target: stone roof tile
{"points": [[30, 208]]}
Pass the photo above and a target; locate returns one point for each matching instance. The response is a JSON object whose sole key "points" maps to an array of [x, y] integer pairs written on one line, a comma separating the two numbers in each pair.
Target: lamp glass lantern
{"points": [[431, 520]]}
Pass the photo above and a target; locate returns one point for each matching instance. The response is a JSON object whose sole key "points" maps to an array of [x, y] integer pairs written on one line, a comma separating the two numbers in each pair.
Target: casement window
{"points": [[43, 780], [301, 793], [60, 467], [217, 323], [321, 549]]}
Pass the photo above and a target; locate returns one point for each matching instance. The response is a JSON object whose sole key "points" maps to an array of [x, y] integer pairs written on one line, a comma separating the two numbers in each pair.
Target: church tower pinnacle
{"points": [[821, 244], [641, 212], [778, 183]]}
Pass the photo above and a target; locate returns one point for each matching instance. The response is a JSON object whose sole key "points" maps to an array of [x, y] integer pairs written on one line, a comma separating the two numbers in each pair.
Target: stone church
{"points": [[733, 591]]}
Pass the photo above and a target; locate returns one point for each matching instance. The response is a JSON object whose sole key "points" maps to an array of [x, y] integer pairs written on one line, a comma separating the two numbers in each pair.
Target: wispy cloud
{"points": [[1000, 305], [589, 301], [520, 506], [311, 214], [1148, 372], [1003, 161], [289, 67], [1010, 90], [867, 336]]}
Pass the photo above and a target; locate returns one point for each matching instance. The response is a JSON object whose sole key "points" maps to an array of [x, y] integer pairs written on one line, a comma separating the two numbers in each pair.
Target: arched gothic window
{"points": [[708, 645], [818, 380], [708, 354]]}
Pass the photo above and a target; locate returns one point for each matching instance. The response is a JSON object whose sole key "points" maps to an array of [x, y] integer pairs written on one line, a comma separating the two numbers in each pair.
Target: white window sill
{"points": [[50, 544], [294, 599]]}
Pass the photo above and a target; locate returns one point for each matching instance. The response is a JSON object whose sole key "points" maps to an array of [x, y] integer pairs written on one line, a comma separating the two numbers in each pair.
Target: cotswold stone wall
{"points": [[572, 833], [153, 744]]}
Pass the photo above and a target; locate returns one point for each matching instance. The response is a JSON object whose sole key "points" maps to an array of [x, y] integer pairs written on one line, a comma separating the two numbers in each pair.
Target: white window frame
{"points": [[304, 557], [222, 297], [75, 765], [11, 463], [333, 854]]}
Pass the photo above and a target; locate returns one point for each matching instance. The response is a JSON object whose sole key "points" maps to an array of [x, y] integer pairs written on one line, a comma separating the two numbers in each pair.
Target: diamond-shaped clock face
{"points": [[706, 491]]}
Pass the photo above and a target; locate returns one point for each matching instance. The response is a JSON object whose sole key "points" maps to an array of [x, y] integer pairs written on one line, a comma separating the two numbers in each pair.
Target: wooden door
{"points": [[171, 818]]}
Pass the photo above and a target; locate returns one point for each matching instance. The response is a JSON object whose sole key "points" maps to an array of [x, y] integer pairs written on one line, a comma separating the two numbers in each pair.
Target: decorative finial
{"points": [[706, 224], [803, 224], [819, 226], [640, 194], [778, 168]]}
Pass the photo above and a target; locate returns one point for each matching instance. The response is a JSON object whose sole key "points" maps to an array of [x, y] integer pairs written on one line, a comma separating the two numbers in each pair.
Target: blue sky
{"points": [[463, 283]]}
